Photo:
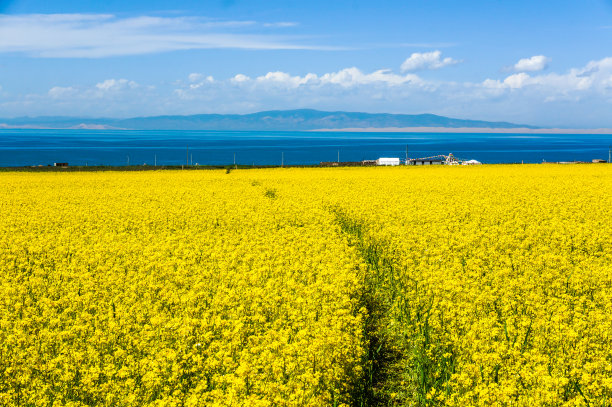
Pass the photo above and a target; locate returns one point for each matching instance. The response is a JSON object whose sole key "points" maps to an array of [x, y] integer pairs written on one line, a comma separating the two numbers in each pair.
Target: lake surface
{"points": [[118, 147]]}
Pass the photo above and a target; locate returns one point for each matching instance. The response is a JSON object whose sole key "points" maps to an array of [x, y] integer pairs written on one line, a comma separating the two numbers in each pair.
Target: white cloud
{"points": [[346, 78], [59, 92], [533, 64], [419, 61], [197, 80], [194, 77], [596, 77], [107, 89], [279, 90], [240, 78], [284, 79], [105, 35], [353, 77], [517, 80], [282, 24], [116, 84]]}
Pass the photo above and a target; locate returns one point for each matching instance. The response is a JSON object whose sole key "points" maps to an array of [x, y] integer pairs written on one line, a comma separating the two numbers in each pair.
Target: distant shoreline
{"points": [[458, 130], [518, 130], [4, 126]]}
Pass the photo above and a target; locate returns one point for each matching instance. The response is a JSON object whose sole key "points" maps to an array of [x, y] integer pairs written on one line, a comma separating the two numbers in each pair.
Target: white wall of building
{"points": [[388, 161]]}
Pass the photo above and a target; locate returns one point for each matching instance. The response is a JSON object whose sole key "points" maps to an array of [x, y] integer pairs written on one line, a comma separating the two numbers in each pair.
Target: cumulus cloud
{"points": [[194, 77], [420, 61], [109, 88], [240, 78], [279, 89], [197, 80], [517, 81], [59, 92], [116, 84], [346, 78], [596, 76], [353, 77], [285, 79], [533, 64], [106, 35]]}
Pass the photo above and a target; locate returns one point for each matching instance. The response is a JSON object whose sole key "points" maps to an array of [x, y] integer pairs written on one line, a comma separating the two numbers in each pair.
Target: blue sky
{"points": [[544, 63]]}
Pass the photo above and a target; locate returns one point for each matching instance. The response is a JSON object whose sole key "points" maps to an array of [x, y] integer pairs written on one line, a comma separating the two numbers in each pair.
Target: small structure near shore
{"points": [[62, 165], [363, 163], [441, 159], [426, 161], [388, 161], [471, 162]]}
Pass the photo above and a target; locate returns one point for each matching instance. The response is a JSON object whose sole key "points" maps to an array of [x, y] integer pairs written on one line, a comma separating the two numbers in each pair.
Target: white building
{"points": [[388, 161]]}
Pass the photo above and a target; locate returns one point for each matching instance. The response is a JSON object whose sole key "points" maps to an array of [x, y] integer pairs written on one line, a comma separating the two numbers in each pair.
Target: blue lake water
{"points": [[116, 147]]}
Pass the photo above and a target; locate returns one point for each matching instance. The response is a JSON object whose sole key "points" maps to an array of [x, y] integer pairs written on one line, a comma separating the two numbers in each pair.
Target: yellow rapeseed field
{"points": [[459, 286], [172, 288]]}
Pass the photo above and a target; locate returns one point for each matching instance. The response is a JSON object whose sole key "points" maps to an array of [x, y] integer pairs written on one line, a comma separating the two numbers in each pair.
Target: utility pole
{"points": [[283, 159], [187, 156], [406, 154], [338, 155], [235, 166], [609, 154], [155, 160], [128, 160], [191, 163]]}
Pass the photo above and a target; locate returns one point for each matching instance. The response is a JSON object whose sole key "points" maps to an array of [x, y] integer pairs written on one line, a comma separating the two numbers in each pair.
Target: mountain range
{"points": [[275, 120]]}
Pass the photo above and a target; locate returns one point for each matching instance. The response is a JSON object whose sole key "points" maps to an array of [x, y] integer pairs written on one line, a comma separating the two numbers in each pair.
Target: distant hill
{"points": [[296, 120]]}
